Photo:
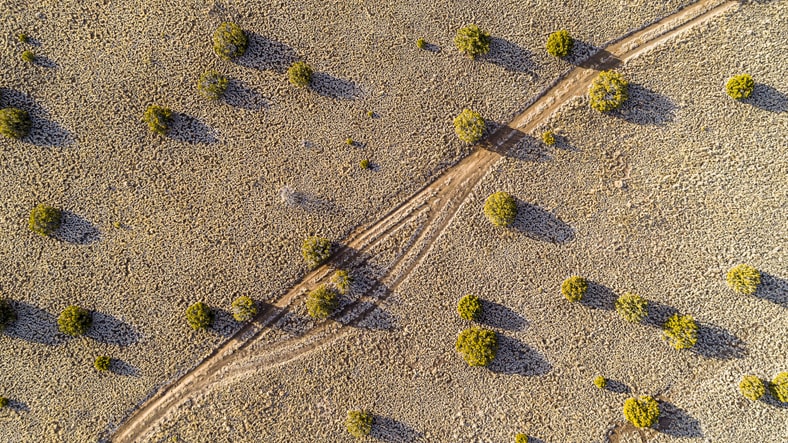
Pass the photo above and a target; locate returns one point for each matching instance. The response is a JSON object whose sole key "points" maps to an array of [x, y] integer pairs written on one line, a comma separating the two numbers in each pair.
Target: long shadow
{"points": [[266, 54], [581, 52], [376, 318], [646, 107], [187, 129], [238, 95], [617, 387], [76, 229], [510, 56], [600, 61], [305, 200], [34, 324], [17, 405], [542, 225], [599, 296], [45, 62], [516, 358], [770, 400], [501, 317], [658, 314], [767, 98], [677, 422], [329, 86], [111, 330], [389, 430], [43, 130], [715, 342], [223, 322], [120, 367], [773, 289]]}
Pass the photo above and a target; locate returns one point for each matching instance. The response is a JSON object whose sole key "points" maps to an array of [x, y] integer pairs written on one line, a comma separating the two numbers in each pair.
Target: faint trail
{"points": [[420, 220]]}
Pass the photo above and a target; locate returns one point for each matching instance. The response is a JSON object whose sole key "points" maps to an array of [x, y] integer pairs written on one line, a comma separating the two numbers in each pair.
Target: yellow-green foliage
{"points": [[472, 41], [74, 321], [244, 308], [478, 346], [28, 56], [212, 84], [469, 126], [548, 138], [316, 250], [520, 438], [364, 164], [300, 74], [23, 37], [44, 220], [4, 402], [600, 382], [7, 314], [740, 86], [14, 123], [608, 91], [341, 281], [500, 208], [229, 41], [321, 302], [744, 279], [681, 331], [574, 288], [560, 43], [102, 363], [157, 118], [631, 307], [752, 387], [642, 412], [359, 423], [778, 388], [421, 43], [199, 316], [469, 307]]}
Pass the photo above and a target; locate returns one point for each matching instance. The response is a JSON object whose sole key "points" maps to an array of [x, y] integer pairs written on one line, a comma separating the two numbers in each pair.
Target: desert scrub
{"points": [[229, 41], [28, 56], [500, 208], [14, 123], [520, 438], [44, 219], [560, 43], [364, 164], [631, 307], [743, 279], [300, 74], [74, 321], [740, 86], [244, 308], [600, 382], [608, 91], [778, 388], [421, 43], [199, 316], [752, 387], [7, 314], [548, 138], [341, 280], [681, 331], [574, 288], [157, 118], [321, 302], [4, 402], [469, 126], [478, 346], [212, 85], [23, 37], [641, 412], [316, 250], [102, 363], [469, 307], [472, 41], [358, 423]]}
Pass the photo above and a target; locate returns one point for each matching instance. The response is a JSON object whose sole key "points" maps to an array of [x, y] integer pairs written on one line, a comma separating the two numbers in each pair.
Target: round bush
{"points": [[7, 314], [102, 363], [631, 307], [472, 41], [212, 85], [600, 382], [778, 388], [478, 346], [74, 321], [500, 208], [244, 308], [574, 288], [560, 43], [421, 43], [316, 250], [4, 402], [681, 331], [743, 279], [364, 164], [300, 74], [44, 220], [548, 138], [28, 56], [157, 118], [521, 438], [469, 126], [740, 86], [359, 423], [608, 91], [469, 307], [199, 316], [321, 302], [341, 280], [642, 412], [14, 123], [229, 41], [752, 387]]}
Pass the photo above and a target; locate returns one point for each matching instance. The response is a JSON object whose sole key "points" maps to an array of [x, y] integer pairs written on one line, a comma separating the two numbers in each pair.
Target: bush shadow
{"points": [[658, 314], [516, 358], [76, 229], [388, 430], [34, 325], [510, 56], [769, 400], [120, 367], [187, 129], [513, 143], [334, 87], [501, 317], [43, 130], [17, 405], [304, 200], [767, 98], [677, 422], [265, 54], [108, 329], [599, 296], [716, 342], [600, 60], [373, 317], [542, 225], [646, 107], [223, 322], [617, 387], [581, 51], [238, 95], [773, 289]]}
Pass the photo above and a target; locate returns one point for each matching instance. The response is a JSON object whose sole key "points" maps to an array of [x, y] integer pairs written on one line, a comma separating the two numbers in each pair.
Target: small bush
{"points": [[520, 438], [740, 86], [199, 316], [500, 209], [102, 363], [560, 43], [212, 85], [244, 308], [752, 387], [157, 118], [74, 321], [28, 56], [341, 281], [371, 114], [364, 164], [4, 402], [469, 126], [743, 279], [574, 288], [472, 41], [631, 307], [316, 250], [681, 331], [359, 423], [229, 41], [600, 382], [321, 302], [642, 412], [7, 314], [421, 43], [300, 74], [23, 38], [469, 307], [44, 220], [14, 123], [608, 91], [349, 141], [548, 138], [478, 346], [778, 388]]}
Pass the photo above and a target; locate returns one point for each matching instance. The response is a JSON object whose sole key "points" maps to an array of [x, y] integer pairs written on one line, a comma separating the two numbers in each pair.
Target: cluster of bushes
{"points": [[500, 209], [477, 346], [359, 423], [642, 411], [200, 316], [753, 388], [469, 126]]}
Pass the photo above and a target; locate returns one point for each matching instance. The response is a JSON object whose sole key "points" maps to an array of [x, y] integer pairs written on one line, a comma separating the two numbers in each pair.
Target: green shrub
{"points": [[364, 164], [300, 74], [560, 43], [23, 38], [4, 402], [469, 307], [244, 308], [469, 126], [321, 302], [740, 86], [500, 208], [743, 279], [102, 363], [521, 438], [316, 250], [548, 138], [7, 314], [14, 123], [229, 41], [752, 387], [600, 382], [608, 91], [421, 43], [341, 280], [472, 41], [574, 288], [212, 84], [28, 56], [74, 321], [642, 412], [349, 141], [44, 220], [681, 331], [359, 423], [778, 388], [631, 307], [157, 118], [478, 346], [199, 316]]}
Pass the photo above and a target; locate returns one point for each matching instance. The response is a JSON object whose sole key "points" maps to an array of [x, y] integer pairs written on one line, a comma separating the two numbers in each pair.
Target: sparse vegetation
{"points": [[244, 308], [44, 219], [469, 307], [632, 307], [212, 84], [478, 346], [4, 402], [199, 316], [102, 363], [574, 288], [349, 141], [743, 279], [14, 123], [157, 118], [23, 38], [642, 412], [560, 43], [608, 91], [316, 250], [681, 331], [341, 280], [740, 86], [28, 56], [7, 314], [469, 126], [364, 164], [752, 387], [359, 423], [500, 209], [548, 138], [300, 74], [472, 41], [74, 321], [520, 438], [421, 43], [321, 302], [600, 382], [778, 388], [229, 41]]}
